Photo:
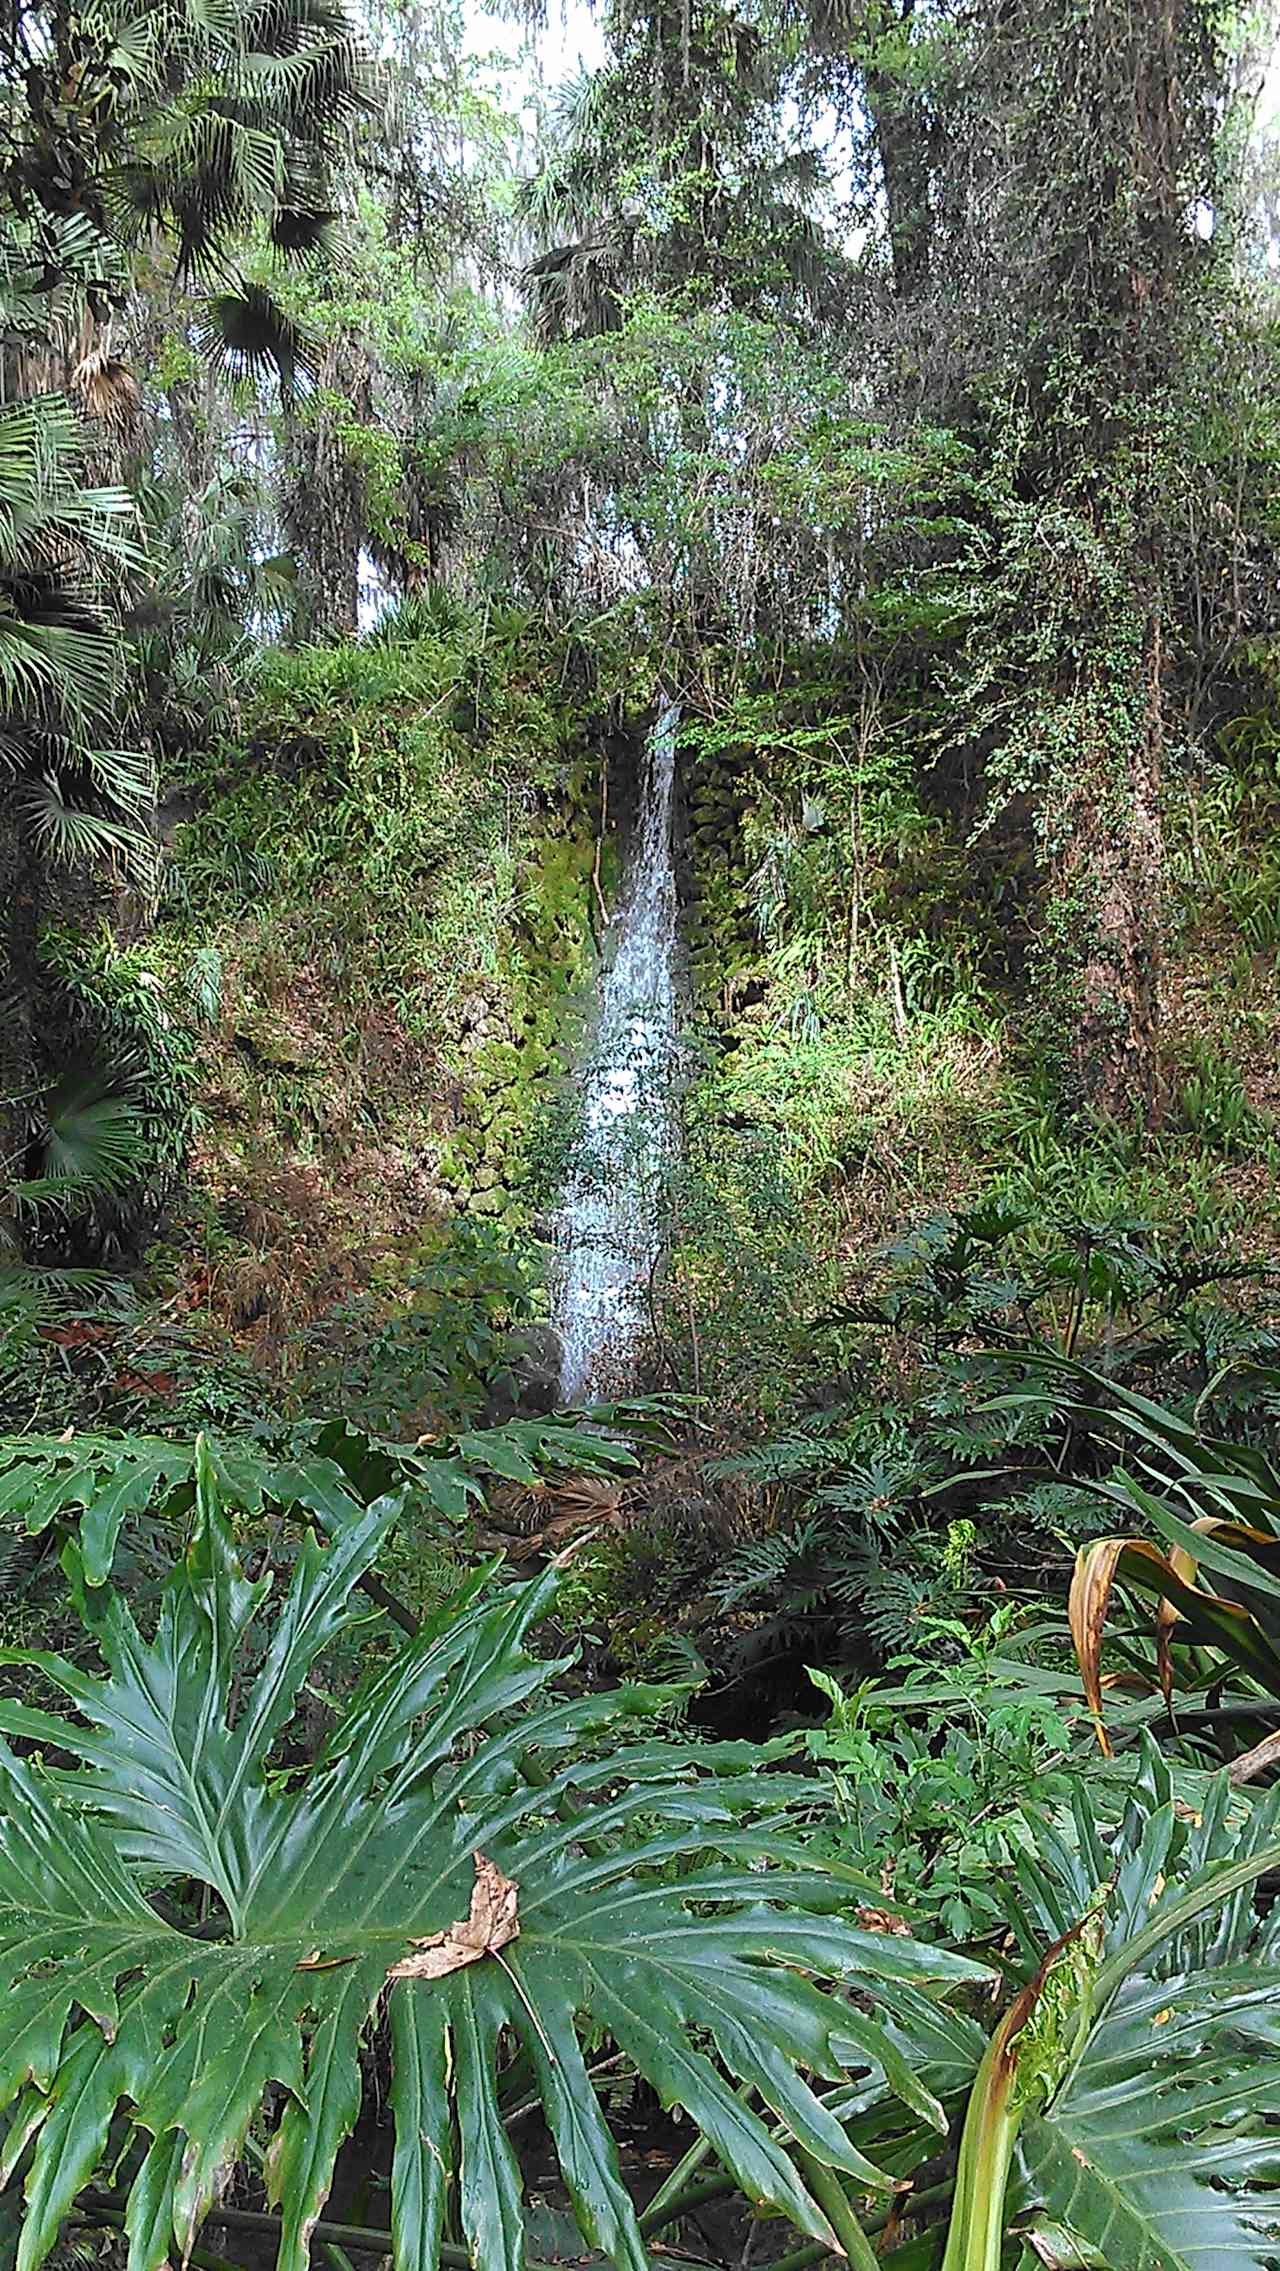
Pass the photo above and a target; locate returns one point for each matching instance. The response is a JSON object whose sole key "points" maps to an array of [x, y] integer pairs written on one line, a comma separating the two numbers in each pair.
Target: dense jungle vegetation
{"points": [[805, 1785]]}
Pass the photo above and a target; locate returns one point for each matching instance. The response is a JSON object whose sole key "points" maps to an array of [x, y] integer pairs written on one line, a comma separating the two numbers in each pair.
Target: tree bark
{"points": [[901, 125], [324, 503], [20, 896], [1115, 138], [1107, 887]]}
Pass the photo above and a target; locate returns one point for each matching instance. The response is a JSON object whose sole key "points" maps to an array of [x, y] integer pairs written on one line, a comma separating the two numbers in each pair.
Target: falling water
{"points": [[611, 1222]]}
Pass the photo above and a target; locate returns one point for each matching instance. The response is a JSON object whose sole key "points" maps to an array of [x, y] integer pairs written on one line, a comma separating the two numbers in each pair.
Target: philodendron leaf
{"points": [[1161, 2151], [481, 1860], [328, 1472]]}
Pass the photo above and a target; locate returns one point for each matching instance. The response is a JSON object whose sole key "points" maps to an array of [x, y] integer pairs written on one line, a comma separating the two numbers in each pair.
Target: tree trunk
{"points": [[324, 505], [1107, 886], [900, 119], [19, 894], [1114, 138]]}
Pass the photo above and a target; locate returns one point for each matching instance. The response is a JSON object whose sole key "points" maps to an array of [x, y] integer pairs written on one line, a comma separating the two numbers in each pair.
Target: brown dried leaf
{"points": [[882, 1920], [492, 1922], [1087, 1606], [582, 1508]]}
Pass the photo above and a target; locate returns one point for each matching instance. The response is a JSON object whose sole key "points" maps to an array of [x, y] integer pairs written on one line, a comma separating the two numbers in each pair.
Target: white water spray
{"points": [[611, 1222]]}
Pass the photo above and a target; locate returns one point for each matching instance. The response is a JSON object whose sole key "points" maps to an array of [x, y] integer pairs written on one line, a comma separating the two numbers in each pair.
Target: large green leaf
{"points": [[329, 1471], [1161, 2152], [656, 1899]]}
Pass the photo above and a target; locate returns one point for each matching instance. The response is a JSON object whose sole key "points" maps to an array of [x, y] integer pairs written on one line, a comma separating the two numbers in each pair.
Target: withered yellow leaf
{"points": [[492, 1922]]}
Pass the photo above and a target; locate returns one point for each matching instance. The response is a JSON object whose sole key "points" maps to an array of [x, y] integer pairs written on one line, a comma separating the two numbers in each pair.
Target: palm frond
{"points": [[247, 330], [107, 389], [74, 835], [91, 1132]]}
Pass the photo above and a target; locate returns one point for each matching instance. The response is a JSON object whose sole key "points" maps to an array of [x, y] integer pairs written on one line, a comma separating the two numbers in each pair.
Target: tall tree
{"points": [[676, 169], [126, 126], [1111, 152]]}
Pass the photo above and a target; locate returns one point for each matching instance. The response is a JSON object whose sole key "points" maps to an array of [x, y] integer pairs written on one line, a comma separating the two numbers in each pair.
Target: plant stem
{"points": [[364, 2241], [833, 2200], [112, 2219], [673, 2184], [338, 2257], [361, 2238], [672, 2191], [975, 2233], [817, 2251], [694, 2196], [813, 2251], [386, 1600]]}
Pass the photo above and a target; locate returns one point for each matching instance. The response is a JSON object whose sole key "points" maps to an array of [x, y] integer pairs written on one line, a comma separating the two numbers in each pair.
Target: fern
{"points": [[768, 1568]]}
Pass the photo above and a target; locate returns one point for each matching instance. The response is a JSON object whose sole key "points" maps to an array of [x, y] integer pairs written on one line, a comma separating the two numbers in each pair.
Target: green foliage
{"points": [[950, 546], [90, 1140], [439, 1351], [382, 815], [706, 190], [142, 1013], [107, 1137], [1140, 2117], [218, 588], [75, 795], [194, 128], [949, 1466], [940, 1783], [1214, 1104], [743, 1273], [327, 1470], [1214, 1507], [677, 1922]]}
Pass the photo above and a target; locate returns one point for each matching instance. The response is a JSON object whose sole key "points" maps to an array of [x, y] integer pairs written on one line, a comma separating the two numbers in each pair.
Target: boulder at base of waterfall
{"points": [[528, 1386]]}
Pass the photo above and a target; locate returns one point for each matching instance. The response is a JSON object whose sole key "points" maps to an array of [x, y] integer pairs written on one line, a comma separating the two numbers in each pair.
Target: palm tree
{"points": [[61, 543], [670, 167], [183, 124], [176, 121], [219, 586], [571, 209], [71, 796]]}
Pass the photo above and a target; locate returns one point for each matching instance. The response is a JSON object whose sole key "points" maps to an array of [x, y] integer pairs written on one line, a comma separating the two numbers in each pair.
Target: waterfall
{"points": [[611, 1228]]}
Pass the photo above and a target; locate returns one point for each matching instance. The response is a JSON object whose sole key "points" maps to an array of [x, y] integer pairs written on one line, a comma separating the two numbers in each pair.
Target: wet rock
{"points": [[528, 1386], [492, 1201]]}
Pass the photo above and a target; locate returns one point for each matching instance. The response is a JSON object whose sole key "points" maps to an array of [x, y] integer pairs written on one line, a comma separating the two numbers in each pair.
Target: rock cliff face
{"points": [[406, 888], [402, 862]]}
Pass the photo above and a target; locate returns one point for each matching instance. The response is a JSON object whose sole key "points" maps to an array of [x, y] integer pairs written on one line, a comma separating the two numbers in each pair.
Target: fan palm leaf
{"points": [[73, 835], [92, 1133], [248, 330]]}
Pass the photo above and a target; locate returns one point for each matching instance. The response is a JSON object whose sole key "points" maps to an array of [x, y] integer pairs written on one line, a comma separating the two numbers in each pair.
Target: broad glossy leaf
{"points": [[329, 1471], [1161, 2150], [655, 1899], [1158, 2153]]}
